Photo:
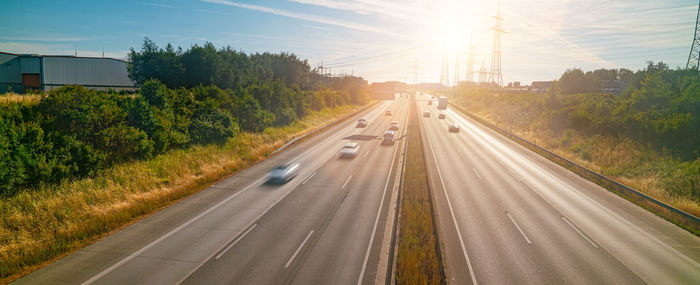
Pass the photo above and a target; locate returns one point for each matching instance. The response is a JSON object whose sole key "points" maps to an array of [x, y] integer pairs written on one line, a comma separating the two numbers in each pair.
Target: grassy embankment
{"points": [[28, 99], [418, 261], [656, 173], [40, 225]]}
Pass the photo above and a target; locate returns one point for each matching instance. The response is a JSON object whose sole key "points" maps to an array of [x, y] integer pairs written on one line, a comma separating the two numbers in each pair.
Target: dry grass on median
{"points": [[418, 261], [50, 221]]}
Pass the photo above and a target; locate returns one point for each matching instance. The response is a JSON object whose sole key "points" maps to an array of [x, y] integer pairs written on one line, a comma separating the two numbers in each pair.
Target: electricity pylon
{"points": [[445, 72], [694, 57], [495, 75], [470, 63], [456, 81]]}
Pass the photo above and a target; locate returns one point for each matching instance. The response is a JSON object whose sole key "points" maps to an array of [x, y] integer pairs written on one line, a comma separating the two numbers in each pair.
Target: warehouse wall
{"points": [[94, 73], [10, 76]]}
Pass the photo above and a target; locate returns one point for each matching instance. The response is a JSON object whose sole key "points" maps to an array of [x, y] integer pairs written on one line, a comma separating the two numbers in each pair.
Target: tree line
{"points": [[185, 98], [659, 106]]}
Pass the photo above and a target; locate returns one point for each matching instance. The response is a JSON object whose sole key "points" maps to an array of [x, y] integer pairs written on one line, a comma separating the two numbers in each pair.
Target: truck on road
{"points": [[442, 103]]}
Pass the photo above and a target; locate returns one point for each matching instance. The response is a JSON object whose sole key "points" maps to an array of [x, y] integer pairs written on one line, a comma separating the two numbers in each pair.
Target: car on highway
{"points": [[283, 173], [453, 128], [388, 137], [394, 125], [426, 114], [441, 116], [361, 123], [350, 150], [387, 113], [430, 102]]}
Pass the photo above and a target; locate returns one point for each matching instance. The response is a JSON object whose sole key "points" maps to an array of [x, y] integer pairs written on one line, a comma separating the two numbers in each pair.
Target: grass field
{"points": [[10, 97], [46, 223], [418, 261]]}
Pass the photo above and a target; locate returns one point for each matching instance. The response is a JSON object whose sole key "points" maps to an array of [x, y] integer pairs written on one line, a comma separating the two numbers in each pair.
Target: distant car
{"points": [[387, 113], [441, 116], [394, 125], [283, 173], [350, 150], [426, 114], [454, 128], [430, 102], [388, 137], [361, 123]]}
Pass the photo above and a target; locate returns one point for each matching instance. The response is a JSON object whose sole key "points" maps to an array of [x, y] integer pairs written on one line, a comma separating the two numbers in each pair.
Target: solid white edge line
{"points": [[298, 249], [155, 242], [308, 178], [236, 241], [477, 173], [579, 232], [454, 219], [573, 189], [346, 181], [379, 211], [518, 227]]}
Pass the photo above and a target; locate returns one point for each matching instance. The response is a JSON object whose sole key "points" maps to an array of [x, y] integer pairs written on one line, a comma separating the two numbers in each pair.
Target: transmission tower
{"points": [[415, 72], [470, 64], [483, 73], [456, 81], [495, 76], [445, 72], [694, 57]]}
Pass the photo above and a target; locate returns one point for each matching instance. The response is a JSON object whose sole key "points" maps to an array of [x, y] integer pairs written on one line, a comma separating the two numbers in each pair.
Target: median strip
{"points": [[418, 258]]}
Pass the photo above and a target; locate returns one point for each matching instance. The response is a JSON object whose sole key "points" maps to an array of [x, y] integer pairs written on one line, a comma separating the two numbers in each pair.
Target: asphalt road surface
{"points": [[326, 226], [509, 216], [505, 214]]}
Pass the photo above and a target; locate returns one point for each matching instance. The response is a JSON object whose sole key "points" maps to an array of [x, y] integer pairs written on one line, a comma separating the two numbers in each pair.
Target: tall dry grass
{"points": [[621, 159], [418, 261], [50, 221], [10, 98]]}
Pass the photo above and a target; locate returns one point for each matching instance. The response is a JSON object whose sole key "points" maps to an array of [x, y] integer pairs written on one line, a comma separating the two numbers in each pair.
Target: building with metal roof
{"points": [[22, 72]]}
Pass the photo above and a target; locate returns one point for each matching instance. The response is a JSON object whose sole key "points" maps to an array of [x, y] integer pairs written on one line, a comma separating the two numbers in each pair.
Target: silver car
{"points": [[350, 150], [283, 173]]}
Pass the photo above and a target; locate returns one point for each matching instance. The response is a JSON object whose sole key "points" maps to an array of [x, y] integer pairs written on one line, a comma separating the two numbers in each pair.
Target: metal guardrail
{"points": [[581, 170], [321, 128]]}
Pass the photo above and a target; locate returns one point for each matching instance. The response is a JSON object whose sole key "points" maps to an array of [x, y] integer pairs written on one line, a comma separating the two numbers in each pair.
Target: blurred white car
{"points": [[394, 125], [454, 128], [283, 173], [350, 150], [426, 114], [388, 137]]}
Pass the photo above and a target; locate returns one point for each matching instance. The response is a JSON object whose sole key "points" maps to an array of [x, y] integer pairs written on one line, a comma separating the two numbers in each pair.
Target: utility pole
{"points": [[445, 72], [483, 73], [495, 75], [470, 63], [456, 81], [694, 57], [415, 72]]}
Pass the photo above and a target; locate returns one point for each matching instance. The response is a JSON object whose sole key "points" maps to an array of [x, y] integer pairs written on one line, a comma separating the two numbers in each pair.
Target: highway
{"points": [[326, 226], [509, 216]]}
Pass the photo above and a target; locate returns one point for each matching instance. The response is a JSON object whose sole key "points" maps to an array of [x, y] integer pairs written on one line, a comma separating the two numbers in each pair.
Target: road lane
{"points": [[176, 255], [339, 210], [562, 214]]}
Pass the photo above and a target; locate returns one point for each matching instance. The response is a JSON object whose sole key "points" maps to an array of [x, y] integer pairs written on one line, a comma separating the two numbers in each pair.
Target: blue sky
{"points": [[379, 40]]}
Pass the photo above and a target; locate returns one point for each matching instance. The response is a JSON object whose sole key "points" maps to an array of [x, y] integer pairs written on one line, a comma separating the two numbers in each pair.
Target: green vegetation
{"points": [[76, 132], [76, 164], [648, 137], [418, 261], [37, 226]]}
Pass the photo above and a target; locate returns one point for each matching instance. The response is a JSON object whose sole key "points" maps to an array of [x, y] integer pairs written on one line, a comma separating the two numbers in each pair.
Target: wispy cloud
{"points": [[310, 18], [159, 5], [42, 39]]}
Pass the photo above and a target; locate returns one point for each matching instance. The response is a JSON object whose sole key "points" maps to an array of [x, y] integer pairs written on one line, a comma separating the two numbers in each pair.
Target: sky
{"points": [[379, 40]]}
